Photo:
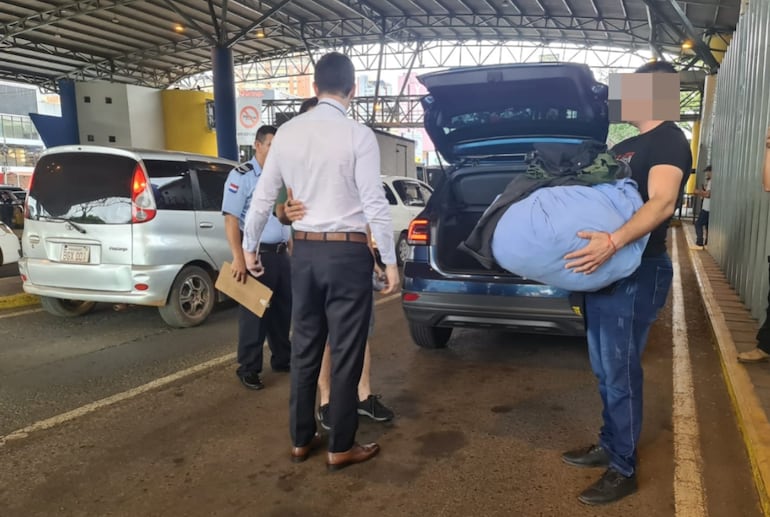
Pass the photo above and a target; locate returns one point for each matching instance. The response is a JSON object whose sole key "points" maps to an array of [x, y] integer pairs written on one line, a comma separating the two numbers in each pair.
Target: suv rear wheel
{"points": [[191, 299], [426, 336], [66, 308]]}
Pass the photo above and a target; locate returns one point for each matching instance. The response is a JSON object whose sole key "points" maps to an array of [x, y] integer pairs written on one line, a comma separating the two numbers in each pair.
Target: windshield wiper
{"points": [[63, 220]]}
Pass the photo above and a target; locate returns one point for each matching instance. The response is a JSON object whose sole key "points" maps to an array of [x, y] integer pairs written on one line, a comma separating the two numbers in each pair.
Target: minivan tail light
{"points": [[419, 232], [143, 207]]}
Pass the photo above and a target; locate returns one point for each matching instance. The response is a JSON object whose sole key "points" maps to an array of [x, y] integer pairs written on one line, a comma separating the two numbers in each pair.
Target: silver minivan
{"points": [[125, 226]]}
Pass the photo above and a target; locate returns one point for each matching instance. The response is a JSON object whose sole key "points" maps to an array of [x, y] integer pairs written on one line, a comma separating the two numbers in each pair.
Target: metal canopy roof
{"points": [[158, 42]]}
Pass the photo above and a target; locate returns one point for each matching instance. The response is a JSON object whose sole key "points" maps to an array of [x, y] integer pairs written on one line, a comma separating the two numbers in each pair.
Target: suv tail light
{"points": [[419, 232], [143, 207]]}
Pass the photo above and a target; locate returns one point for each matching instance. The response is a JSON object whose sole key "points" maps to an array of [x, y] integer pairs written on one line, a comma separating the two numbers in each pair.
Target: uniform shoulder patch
{"points": [[244, 168]]}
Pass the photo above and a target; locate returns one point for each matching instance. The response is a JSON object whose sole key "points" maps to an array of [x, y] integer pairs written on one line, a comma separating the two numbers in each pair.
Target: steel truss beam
{"points": [[376, 112], [429, 55], [343, 33], [59, 14]]}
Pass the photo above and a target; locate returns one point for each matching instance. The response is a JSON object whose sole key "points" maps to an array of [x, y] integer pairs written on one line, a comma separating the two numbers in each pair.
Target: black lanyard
{"points": [[334, 106]]}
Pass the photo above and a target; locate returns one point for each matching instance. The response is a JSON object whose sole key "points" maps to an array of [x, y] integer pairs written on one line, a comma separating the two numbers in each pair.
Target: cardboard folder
{"points": [[254, 295]]}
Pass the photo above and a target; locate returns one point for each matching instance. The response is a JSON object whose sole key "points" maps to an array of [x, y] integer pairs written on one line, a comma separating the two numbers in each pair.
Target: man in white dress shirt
{"points": [[332, 164]]}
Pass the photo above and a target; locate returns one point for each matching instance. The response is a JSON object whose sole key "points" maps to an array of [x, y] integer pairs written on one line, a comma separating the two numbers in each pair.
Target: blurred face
{"points": [[708, 175], [261, 149], [635, 98]]}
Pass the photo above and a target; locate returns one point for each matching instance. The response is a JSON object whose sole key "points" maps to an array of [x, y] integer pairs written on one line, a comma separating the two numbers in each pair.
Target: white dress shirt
{"points": [[707, 200], [332, 165]]}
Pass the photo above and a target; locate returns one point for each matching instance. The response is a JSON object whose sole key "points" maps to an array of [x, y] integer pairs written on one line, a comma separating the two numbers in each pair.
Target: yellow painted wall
{"points": [[184, 116]]}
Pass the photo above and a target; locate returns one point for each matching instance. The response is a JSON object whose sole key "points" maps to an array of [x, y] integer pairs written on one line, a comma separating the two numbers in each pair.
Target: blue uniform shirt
{"points": [[236, 200]]}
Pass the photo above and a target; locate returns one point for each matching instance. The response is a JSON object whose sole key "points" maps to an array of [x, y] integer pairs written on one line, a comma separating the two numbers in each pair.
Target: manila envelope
{"points": [[254, 295]]}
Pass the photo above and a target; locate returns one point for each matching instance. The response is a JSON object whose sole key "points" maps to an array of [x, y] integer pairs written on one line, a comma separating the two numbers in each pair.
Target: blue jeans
{"points": [[700, 224], [618, 321]]}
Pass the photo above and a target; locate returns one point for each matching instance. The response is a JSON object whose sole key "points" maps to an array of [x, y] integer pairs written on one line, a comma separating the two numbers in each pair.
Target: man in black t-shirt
{"points": [[618, 319]]}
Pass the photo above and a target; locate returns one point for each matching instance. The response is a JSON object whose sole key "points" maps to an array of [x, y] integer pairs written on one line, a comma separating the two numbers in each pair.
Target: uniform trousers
{"points": [[274, 323], [332, 296]]}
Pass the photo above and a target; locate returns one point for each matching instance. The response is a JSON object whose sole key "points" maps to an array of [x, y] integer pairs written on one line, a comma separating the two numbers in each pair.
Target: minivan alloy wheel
{"points": [[194, 296], [191, 298]]}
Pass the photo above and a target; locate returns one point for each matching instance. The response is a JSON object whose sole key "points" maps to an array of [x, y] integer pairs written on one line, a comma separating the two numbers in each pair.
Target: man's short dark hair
{"points": [[656, 67], [312, 102], [335, 74], [707, 169], [263, 132]]}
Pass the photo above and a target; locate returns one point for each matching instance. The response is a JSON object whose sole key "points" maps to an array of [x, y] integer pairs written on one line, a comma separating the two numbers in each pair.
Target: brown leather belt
{"points": [[330, 236]]}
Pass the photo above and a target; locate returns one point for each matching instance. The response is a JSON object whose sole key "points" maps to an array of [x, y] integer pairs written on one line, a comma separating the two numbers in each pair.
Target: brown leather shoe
{"points": [[300, 454], [357, 454]]}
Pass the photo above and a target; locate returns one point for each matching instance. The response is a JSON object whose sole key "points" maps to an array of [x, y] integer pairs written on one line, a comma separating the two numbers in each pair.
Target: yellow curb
{"points": [[751, 416], [16, 301]]}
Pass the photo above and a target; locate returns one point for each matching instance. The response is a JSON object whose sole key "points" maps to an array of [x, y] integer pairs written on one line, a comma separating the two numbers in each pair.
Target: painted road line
{"points": [[750, 414], [689, 496], [16, 301], [89, 408], [120, 397], [19, 313]]}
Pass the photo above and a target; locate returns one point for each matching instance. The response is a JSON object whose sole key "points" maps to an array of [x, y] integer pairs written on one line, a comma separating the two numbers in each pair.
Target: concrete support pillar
{"points": [[224, 102]]}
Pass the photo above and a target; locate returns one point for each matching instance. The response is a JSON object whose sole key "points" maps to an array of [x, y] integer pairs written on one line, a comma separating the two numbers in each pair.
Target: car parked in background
{"points": [[17, 195], [125, 226], [17, 191], [407, 197], [484, 121], [10, 247]]}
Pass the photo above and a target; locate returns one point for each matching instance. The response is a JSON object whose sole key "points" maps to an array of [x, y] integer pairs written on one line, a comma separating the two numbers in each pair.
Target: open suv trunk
{"points": [[484, 121]]}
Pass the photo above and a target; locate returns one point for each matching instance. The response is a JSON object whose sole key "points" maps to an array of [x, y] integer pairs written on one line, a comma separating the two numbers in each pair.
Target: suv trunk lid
{"points": [[502, 110]]}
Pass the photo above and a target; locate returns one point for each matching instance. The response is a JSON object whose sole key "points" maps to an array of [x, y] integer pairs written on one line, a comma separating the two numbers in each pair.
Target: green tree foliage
{"points": [[619, 132]]}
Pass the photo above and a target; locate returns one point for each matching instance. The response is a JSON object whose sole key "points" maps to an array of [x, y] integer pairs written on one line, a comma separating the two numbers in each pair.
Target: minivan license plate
{"points": [[76, 254]]}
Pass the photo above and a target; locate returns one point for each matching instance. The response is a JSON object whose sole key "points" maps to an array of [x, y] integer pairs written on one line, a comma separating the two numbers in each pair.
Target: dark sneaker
{"points": [[591, 456], [323, 417], [251, 381], [612, 486], [374, 409]]}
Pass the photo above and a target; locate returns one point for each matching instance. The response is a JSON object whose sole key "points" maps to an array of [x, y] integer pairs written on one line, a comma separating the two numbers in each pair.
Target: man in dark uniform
{"points": [[618, 319], [332, 164], [276, 321]]}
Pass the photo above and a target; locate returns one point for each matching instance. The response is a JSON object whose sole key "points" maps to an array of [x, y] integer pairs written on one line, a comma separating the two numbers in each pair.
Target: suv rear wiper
{"points": [[63, 220]]}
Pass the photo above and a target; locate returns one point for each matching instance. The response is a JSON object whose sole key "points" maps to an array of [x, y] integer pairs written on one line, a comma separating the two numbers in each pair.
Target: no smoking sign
{"points": [[249, 117]]}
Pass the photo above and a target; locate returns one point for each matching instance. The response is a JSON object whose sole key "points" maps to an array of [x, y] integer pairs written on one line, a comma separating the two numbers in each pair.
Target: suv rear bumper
{"points": [[552, 315]]}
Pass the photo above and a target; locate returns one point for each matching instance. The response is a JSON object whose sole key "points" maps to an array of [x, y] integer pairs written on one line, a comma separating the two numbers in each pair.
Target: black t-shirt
{"points": [[664, 145]]}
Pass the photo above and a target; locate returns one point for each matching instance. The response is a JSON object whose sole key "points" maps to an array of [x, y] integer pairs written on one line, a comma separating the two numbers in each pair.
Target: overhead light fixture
{"points": [[179, 28], [687, 45], [260, 33]]}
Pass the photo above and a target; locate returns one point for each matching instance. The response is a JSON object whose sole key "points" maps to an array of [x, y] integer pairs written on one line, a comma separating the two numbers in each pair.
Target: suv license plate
{"points": [[76, 254]]}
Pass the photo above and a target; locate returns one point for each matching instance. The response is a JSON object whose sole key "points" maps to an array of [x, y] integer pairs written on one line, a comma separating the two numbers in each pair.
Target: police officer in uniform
{"points": [[273, 249]]}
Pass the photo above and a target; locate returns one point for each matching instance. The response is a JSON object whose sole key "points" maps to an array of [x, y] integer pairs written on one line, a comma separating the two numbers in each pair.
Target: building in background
{"points": [[20, 144], [368, 86]]}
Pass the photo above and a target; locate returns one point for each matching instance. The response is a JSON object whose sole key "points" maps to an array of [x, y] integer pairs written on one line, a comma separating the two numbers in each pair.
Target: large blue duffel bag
{"points": [[534, 234]]}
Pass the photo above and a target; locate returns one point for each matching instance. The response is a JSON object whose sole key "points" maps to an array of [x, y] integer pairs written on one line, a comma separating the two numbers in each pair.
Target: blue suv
{"points": [[484, 121]]}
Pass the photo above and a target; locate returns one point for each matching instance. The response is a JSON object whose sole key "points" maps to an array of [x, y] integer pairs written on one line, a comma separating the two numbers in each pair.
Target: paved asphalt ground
{"points": [[479, 427]]}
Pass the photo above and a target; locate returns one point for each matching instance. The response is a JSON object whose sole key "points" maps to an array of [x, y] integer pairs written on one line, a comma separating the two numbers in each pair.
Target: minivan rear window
{"points": [[90, 188]]}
